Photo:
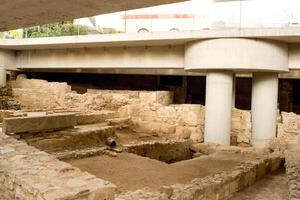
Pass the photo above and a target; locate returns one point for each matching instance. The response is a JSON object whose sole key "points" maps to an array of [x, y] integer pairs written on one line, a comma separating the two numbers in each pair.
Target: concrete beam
{"points": [[106, 58], [149, 53], [7, 59], [38, 123], [236, 54]]}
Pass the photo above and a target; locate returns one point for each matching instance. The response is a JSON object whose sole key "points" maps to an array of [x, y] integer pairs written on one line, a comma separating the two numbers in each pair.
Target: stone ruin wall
{"points": [[30, 174], [150, 111], [36, 94]]}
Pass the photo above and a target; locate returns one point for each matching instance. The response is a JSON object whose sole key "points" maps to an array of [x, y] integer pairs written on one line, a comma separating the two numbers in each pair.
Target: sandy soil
{"points": [[273, 186], [126, 136], [131, 172]]}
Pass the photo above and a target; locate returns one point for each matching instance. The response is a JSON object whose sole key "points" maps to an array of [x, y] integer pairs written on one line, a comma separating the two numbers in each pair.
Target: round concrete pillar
{"points": [[264, 108], [218, 107], [2, 77]]}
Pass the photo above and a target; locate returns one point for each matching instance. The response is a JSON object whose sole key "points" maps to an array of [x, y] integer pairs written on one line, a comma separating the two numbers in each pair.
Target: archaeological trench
{"points": [[59, 144]]}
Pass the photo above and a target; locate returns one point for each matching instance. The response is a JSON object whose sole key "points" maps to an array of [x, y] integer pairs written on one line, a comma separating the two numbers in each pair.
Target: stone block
{"points": [[94, 117], [167, 129], [190, 115], [196, 134], [161, 97], [182, 132], [146, 127], [40, 123], [120, 122], [81, 137]]}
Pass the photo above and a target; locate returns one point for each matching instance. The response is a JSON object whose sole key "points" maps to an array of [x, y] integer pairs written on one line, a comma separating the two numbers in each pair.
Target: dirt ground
{"points": [[273, 186], [132, 172], [126, 136]]}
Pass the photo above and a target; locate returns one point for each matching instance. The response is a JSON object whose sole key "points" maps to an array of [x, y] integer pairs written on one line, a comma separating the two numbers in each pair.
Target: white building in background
{"points": [[203, 14]]}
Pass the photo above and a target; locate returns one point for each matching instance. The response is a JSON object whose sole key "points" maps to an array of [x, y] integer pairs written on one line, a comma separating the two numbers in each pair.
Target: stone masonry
{"points": [[30, 174], [150, 111]]}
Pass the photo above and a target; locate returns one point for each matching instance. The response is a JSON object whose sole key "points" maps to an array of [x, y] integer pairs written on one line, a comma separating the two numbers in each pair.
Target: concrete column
{"points": [[264, 108], [2, 77], [218, 107]]}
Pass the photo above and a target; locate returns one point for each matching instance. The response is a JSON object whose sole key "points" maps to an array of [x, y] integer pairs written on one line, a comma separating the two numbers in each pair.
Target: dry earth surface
{"points": [[273, 186], [132, 172]]}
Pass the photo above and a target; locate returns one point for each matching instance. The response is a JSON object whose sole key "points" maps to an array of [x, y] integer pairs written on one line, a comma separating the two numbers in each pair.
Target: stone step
{"points": [[121, 122], [80, 137], [38, 123], [95, 117]]}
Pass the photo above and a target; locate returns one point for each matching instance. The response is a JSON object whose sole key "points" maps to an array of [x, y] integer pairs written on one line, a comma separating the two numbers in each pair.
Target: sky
{"points": [[246, 14]]}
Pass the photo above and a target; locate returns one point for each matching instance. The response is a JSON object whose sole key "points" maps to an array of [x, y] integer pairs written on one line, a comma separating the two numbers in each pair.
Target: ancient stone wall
{"points": [[114, 99], [151, 111], [183, 121], [36, 94], [288, 125], [241, 127], [217, 186], [292, 169], [27, 173], [6, 100]]}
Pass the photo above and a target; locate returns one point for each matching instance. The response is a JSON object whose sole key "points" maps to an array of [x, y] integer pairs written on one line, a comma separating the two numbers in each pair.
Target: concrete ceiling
{"points": [[24, 13]]}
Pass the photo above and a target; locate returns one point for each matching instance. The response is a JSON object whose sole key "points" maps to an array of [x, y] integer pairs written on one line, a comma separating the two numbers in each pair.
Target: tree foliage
{"points": [[64, 28]]}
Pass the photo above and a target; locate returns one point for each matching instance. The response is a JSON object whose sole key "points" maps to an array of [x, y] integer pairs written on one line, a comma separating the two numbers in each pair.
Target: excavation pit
{"points": [[143, 164], [132, 172], [140, 163]]}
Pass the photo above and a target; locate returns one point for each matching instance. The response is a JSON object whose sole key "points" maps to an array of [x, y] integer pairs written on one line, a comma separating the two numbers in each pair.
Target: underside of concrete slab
{"points": [[20, 14]]}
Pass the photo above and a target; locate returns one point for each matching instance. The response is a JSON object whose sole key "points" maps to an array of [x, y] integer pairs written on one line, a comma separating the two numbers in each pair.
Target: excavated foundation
{"points": [[136, 145], [156, 167]]}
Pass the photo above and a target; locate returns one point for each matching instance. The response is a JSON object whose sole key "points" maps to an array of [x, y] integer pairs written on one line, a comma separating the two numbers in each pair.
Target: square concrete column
{"points": [[264, 108], [218, 107]]}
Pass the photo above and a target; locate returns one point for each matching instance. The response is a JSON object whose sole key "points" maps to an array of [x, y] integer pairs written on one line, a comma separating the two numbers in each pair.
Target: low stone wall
{"points": [[114, 99], [95, 117], [27, 173], [241, 127], [293, 173], [214, 187], [77, 138], [6, 99], [288, 125], [36, 94], [166, 151], [161, 97], [183, 121], [150, 111], [175, 121], [10, 113], [292, 165]]}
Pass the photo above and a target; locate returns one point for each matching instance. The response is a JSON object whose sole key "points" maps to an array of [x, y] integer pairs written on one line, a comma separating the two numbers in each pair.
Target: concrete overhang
{"points": [[24, 13], [288, 35]]}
